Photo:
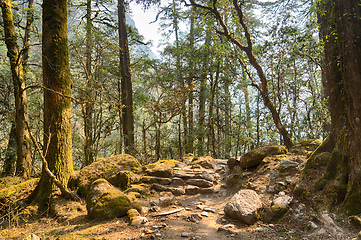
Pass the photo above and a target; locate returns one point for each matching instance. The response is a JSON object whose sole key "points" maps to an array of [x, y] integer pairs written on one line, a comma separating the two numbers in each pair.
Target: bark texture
{"points": [[57, 109], [126, 82], [341, 31], [23, 163]]}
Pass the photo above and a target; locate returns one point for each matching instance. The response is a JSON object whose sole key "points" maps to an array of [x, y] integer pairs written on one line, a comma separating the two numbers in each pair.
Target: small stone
{"points": [[154, 203], [154, 209], [311, 226], [158, 234], [207, 209], [230, 231], [228, 226], [204, 214], [162, 219], [185, 234]]}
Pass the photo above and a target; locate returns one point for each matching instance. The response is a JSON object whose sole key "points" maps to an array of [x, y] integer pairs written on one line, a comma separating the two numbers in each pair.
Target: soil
{"points": [[199, 216]]}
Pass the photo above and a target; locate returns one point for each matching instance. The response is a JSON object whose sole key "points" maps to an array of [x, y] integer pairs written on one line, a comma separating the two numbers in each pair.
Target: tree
{"points": [[23, 165], [126, 82], [89, 105], [341, 33], [247, 48], [57, 100]]}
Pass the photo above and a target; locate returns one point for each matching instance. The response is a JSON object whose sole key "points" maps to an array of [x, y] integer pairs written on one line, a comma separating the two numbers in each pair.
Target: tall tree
{"points": [[126, 82], [23, 165], [247, 48], [341, 32], [57, 99], [89, 103]]}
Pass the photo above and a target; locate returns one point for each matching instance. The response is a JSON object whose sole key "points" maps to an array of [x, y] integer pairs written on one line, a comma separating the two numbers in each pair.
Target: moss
{"points": [[352, 203], [138, 207], [142, 188], [108, 168], [105, 201], [121, 180], [16, 189], [132, 214], [161, 168]]}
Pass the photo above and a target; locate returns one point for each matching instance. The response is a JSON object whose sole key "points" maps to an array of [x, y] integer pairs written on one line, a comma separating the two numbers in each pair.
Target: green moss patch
{"points": [[112, 168], [105, 201], [161, 168]]}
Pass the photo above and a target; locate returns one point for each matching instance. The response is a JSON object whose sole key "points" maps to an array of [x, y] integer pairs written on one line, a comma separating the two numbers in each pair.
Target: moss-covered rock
{"points": [[161, 168], [152, 179], [205, 162], [142, 189], [305, 147], [105, 201], [122, 179], [254, 158], [13, 192], [116, 169]]}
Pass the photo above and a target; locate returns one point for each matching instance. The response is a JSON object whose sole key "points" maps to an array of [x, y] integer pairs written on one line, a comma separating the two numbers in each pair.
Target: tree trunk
{"points": [[10, 154], [126, 82], [341, 31], [248, 50], [57, 96], [29, 22], [203, 93], [23, 164], [189, 148], [212, 134], [89, 104]]}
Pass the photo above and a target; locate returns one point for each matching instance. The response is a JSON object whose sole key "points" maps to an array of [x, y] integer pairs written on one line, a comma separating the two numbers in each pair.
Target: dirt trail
{"points": [[202, 216]]}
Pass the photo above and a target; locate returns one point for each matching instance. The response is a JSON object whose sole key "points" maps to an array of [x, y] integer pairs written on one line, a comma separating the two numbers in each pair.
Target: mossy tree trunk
{"points": [[126, 82], [10, 154], [341, 32], [57, 96], [88, 112], [23, 163]]}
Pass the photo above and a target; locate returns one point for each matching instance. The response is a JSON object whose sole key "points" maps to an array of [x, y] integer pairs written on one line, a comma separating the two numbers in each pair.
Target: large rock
{"points": [[200, 183], [116, 169], [161, 168], [245, 206], [254, 158], [105, 201], [205, 162], [306, 146]]}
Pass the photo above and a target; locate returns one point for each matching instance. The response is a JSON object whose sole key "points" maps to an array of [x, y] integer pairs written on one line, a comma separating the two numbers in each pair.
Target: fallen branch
{"points": [[168, 213]]}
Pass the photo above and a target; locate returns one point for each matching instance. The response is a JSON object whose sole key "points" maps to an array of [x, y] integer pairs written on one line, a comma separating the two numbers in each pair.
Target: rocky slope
{"points": [[196, 198]]}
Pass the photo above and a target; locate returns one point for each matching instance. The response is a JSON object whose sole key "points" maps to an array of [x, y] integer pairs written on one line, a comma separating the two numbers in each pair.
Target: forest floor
{"points": [[198, 217]]}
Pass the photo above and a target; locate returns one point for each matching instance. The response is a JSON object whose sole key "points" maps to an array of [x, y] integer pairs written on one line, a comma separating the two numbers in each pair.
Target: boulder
{"points": [[152, 179], [254, 158], [204, 162], [191, 190], [105, 201], [244, 206], [287, 164], [115, 169], [280, 206], [161, 168], [135, 218], [306, 146], [199, 183]]}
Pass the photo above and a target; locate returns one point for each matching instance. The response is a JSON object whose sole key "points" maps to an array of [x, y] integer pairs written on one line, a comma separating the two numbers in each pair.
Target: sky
{"points": [[143, 23]]}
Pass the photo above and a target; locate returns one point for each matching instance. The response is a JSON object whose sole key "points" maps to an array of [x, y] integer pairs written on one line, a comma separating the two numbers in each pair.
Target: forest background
{"points": [[199, 97]]}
